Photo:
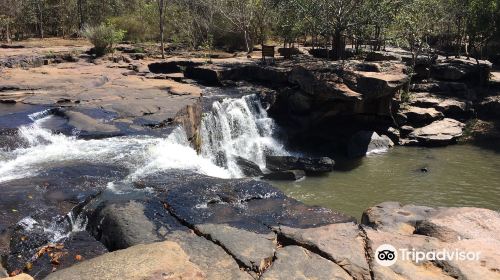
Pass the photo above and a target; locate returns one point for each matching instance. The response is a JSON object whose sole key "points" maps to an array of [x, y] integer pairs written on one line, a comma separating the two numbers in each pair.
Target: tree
{"points": [[414, 22], [161, 11], [240, 15]]}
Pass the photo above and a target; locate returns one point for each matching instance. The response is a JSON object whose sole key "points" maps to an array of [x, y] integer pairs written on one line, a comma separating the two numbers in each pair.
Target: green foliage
{"points": [[104, 37]]}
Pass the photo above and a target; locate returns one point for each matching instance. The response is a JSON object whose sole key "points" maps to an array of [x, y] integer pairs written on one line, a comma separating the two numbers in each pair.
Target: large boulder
{"points": [[449, 106], [153, 261], [248, 168], [441, 132], [368, 142], [287, 175], [309, 165], [418, 116], [46, 199], [454, 89], [322, 85], [459, 69], [382, 56], [489, 107]]}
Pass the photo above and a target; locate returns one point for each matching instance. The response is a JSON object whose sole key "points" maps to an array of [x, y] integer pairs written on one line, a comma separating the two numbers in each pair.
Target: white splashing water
{"points": [[239, 127], [234, 127]]}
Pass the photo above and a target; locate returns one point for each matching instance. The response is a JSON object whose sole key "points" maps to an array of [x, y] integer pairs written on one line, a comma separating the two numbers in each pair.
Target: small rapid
{"points": [[233, 128]]}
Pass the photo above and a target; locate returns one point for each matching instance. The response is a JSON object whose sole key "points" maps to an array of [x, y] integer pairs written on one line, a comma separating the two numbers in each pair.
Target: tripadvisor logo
{"points": [[387, 255]]}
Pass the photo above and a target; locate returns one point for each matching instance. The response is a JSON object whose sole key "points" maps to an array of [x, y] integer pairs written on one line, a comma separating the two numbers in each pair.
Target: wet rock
{"points": [[245, 204], [489, 108], [153, 261], [309, 165], [394, 217], [442, 132], [293, 262], [418, 116], [87, 124], [341, 243], [254, 250], [366, 142], [121, 221], [393, 133], [79, 246], [10, 139], [46, 198], [287, 175], [249, 168]]}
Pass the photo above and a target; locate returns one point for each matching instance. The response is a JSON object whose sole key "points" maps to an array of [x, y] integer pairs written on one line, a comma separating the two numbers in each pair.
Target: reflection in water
{"points": [[461, 175]]}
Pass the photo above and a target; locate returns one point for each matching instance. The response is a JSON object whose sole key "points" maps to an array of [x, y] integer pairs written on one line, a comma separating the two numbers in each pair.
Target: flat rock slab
{"points": [[440, 132], [294, 262], [454, 224], [341, 243], [153, 261], [418, 116], [254, 250], [392, 216], [428, 229], [211, 258], [403, 269]]}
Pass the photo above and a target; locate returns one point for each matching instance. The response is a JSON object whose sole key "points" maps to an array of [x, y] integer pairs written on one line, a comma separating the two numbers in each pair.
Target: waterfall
{"points": [[233, 128], [238, 128]]}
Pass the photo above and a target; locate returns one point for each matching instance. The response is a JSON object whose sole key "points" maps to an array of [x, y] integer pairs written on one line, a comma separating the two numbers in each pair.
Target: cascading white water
{"points": [[238, 128], [234, 127]]}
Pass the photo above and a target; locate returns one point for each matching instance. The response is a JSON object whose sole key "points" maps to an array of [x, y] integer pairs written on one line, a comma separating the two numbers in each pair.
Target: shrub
{"points": [[103, 37]]}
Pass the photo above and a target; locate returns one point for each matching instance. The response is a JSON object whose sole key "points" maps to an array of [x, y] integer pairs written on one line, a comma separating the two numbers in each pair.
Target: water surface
{"points": [[459, 175]]}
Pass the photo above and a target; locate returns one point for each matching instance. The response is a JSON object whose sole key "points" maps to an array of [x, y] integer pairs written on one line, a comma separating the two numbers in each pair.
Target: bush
{"points": [[103, 37], [138, 30]]}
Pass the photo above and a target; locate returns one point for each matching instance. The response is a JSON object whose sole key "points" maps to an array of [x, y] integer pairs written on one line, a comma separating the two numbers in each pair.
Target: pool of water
{"points": [[460, 175]]}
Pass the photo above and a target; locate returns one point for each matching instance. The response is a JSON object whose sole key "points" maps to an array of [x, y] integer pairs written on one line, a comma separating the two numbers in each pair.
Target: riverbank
{"points": [[104, 154]]}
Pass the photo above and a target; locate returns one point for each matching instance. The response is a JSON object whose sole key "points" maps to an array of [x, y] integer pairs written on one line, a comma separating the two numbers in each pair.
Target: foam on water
{"points": [[238, 127], [234, 127]]}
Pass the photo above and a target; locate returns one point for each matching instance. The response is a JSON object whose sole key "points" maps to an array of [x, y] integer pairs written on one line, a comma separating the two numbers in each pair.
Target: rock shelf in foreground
{"points": [[199, 227]]}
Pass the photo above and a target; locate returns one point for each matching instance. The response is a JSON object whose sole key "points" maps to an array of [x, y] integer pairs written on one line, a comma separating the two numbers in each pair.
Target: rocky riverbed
{"points": [[128, 167]]}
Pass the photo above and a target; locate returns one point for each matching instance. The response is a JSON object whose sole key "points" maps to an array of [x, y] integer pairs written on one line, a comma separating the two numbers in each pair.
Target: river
{"points": [[459, 175]]}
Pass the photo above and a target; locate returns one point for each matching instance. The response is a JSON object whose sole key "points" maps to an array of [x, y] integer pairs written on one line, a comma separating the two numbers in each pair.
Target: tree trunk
{"points": [[80, 15], [247, 43], [7, 32], [40, 18], [339, 45], [161, 7]]}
